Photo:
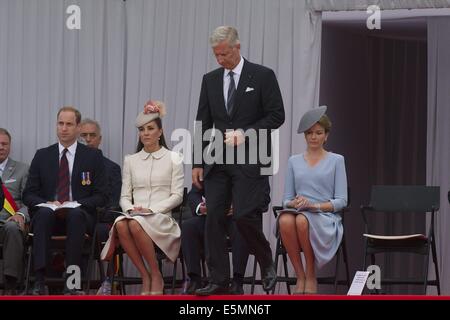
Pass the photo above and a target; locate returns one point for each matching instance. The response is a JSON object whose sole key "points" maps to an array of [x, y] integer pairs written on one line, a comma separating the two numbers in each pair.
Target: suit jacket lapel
{"points": [[54, 166], [244, 80], [9, 170], [76, 167]]}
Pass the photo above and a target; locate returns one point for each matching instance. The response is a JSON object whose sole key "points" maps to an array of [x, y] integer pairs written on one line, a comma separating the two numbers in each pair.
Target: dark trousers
{"points": [[193, 245], [74, 223], [12, 239], [223, 183]]}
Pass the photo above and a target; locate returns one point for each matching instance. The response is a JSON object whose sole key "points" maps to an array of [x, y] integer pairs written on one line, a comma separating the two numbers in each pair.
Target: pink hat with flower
{"points": [[152, 110]]}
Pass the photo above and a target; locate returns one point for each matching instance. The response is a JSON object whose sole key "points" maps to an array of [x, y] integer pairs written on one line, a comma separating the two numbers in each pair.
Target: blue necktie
{"points": [[231, 93]]}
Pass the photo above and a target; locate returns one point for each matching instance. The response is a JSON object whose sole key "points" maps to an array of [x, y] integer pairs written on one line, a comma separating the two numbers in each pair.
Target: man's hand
{"points": [[234, 138], [197, 177], [17, 218], [202, 209]]}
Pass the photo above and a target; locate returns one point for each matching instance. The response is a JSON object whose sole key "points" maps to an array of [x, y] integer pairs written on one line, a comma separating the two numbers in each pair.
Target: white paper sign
{"points": [[358, 283]]}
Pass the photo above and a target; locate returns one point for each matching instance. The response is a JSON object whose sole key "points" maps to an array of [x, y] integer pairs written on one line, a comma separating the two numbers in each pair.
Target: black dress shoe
{"points": [[269, 278], [10, 288], [211, 289], [10, 292], [236, 288], [73, 292], [192, 286], [38, 289]]}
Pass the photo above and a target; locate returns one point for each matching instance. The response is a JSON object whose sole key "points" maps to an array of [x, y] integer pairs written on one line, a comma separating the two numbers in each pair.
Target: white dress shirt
{"points": [[70, 155], [3, 167], [226, 79]]}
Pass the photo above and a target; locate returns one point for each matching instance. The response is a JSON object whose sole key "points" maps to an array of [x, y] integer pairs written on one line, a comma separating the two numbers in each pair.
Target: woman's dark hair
{"points": [[162, 140]]}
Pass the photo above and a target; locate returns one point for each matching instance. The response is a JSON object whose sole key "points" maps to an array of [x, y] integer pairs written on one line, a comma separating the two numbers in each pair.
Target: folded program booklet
{"points": [[65, 205]]}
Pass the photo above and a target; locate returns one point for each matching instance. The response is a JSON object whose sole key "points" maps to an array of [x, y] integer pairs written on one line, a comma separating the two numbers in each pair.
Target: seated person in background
{"points": [[192, 243], [91, 134], [65, 171], [152, 186], [13, 215], [193, 239], [316, 188]]}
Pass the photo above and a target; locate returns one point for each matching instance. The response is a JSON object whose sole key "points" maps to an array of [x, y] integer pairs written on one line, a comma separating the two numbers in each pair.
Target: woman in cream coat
{"points": [[152, 185]]}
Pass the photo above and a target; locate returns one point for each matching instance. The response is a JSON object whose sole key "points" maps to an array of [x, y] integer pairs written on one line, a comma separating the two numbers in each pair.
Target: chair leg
{"points": [[27, 276], [252, 289], [286, 272], [277, 255], [119, 266], [101, 269], [336, 269], [90, 262], [436, 268], [183, 269], [174, 276], [345, 257], [425, 272]]}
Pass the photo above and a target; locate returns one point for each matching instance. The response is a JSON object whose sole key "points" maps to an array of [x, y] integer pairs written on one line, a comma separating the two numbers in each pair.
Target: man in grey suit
{"points": [[14, 175]]}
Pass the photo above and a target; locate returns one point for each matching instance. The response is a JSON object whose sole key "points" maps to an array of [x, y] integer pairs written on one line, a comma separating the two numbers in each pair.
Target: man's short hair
{"points": [[6, 133], [93, 122], [72, 109], [224, 33]]}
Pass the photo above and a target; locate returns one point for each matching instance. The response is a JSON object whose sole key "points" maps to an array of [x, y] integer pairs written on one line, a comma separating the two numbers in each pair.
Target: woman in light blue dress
{"points": [[315, 189]]}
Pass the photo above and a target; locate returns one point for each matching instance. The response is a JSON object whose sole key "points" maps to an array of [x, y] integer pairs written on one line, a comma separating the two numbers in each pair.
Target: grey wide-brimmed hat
{"points": [[144, 118], [310, 118]]}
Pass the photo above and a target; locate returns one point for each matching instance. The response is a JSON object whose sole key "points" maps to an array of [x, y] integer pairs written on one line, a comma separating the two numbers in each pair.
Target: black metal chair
{"points": [[58, 249], [280, 250], [404, 200], [169, 281]]}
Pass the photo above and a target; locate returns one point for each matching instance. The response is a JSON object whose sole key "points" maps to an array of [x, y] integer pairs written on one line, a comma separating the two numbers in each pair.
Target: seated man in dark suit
{"points": [[193, 237], [91, 134], [63, 172], [14, 217]]}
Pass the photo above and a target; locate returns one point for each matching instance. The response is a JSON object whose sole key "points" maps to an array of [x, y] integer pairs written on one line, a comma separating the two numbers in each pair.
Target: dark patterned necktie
{"points": [[231, 93], [63, 178]]}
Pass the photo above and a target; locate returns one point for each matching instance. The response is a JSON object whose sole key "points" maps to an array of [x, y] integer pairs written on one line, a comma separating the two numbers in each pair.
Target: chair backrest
{"points": [[405, 198], [177, 212]]}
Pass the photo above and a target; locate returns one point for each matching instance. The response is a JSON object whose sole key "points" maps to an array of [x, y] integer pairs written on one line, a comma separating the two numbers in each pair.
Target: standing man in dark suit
{"points": [[65, 171], [240, 96], [193, 240], [12, 226], [91, 134]]}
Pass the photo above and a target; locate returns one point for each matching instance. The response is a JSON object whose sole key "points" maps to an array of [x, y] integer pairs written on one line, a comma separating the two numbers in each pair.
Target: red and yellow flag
{"points": [[9, 204]]}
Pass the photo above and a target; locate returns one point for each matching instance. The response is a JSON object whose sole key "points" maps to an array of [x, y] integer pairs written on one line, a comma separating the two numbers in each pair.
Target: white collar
{"points": [[71, 149], [156, 155], [237, 70]]}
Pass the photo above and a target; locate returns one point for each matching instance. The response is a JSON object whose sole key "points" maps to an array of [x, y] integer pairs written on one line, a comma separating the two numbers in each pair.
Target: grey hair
{"points": [[224, 33], [95, 123], [6, 133]]}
